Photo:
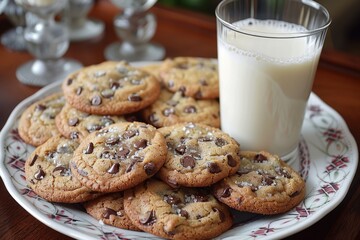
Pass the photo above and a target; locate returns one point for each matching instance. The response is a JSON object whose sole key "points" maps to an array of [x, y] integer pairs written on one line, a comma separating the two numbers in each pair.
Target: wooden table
{"points": [[185, 33]]}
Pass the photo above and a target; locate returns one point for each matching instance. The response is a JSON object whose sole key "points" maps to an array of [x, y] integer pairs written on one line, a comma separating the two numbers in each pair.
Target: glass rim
{"points": [[309, 3]]}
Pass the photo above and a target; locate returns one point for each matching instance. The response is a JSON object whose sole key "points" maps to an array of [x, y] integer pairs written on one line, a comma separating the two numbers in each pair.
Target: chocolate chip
{"points": [[184, 213], [180, 149], [198, 95], [33, 160], [203, 82], [108, 155], [172, 199], [197, 197], [187, 161], [231, 161], [150, 168], [221, 214], [79, 90], [73, 121], [107, 93], [62, 170], [39, 174], [40, 107], [149, 218], [93, 128], [282, 172], [260, 158], [182, 89], [129, 134], [220, 142], [114, 85], [140, 144], [112, 141], [89, 149], [205, 139], [123, 152], [153, 118], [74, 135], [190, 109], [114, 168], [213, 167], [134, 98], [172, 183], [226, 193], [108, 211], [69, 81], [96, 100], [168, 111]]}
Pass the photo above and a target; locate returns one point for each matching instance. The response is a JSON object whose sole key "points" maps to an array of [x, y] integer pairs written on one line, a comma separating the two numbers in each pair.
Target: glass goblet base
{"points": [[41, 73], [128, 52]]}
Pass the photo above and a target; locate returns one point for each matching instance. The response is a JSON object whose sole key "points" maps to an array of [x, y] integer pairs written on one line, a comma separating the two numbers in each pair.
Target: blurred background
{"points": [[344, 32]]}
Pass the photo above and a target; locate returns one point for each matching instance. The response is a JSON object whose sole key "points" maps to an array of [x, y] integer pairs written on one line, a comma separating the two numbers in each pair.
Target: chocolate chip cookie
{"points": [[198, 155], [110, 88], [171, 108], [183, 213], [73, 123], [264, 184], [194, 77], [37, 122], [110, 210], [48, 174], [119, 156]]}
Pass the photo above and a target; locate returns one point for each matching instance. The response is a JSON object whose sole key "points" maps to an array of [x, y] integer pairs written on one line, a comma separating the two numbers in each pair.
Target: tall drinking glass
{"points": [[268, 52]]}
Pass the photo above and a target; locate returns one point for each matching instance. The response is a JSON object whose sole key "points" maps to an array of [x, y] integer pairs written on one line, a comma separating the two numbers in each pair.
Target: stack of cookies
{"points": [[141, 148]]}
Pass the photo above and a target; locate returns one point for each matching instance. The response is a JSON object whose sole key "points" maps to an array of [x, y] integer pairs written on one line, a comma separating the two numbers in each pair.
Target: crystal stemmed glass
{"points": [[13, 39], [135, 26], [48, 41], [81, 27]]}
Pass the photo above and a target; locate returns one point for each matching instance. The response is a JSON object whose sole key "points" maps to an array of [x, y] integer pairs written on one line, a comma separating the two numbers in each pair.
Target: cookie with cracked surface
{"points": [[73, 123], [264, 184], [198, 155], [183, 213], [37, 122], [119, 156], [48, 173], [109, 209], [172, 108], [194, 77], [110, 88]]}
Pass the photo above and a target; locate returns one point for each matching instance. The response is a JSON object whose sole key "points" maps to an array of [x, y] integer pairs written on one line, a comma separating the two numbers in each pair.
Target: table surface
{"points": [[186, 33]]}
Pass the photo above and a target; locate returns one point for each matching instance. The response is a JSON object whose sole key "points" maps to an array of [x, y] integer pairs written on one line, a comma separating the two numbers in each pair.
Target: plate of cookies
{"points": [[135, 151]]}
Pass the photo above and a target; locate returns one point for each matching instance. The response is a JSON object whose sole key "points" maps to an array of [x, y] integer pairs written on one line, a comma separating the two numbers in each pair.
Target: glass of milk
{"points": [[268, 52]]}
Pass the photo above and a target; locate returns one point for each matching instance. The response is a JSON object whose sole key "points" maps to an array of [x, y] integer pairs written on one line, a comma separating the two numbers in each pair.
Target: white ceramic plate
{"points": [[328, 161]]}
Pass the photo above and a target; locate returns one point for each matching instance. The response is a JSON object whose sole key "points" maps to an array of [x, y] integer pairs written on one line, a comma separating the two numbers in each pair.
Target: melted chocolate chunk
{"points": [[39, 174], [40, 107], [153, 118], [33, 160], [93, 128], [190, 109], [221, 214], [123, 152], [197, 197], [114, 85], [107, 212], [140, 144], [107, 93], [134, 98], [231, 161], [62, 170], [282, 172], [187, 161], [74, 135], [150, 168], [112, 141], [220, 142], [226, 193], [89, 149], [182, 89], [184, 213], [69, 81], [149, 218], [114, 168], [172, 199], [213, 167], [129, 134], [205, 139], [96, 100], [180, 149], [73, 121], [260, 158]]}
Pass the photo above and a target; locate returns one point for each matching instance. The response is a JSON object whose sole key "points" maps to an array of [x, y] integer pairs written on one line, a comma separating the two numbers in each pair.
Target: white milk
{"points": [[264, 85]]}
